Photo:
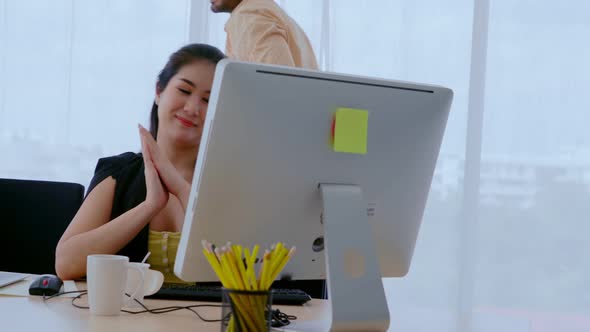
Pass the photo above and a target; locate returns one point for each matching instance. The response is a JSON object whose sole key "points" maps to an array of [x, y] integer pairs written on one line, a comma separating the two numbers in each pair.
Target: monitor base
{"points": [[355, 289]]}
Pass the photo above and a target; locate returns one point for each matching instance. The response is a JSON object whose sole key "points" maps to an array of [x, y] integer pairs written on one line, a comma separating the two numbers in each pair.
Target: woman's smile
{"points": [[185, 122]]}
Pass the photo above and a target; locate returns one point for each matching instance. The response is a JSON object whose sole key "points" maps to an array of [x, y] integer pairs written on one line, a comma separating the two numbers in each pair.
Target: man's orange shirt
{"points": [[260, 31]]}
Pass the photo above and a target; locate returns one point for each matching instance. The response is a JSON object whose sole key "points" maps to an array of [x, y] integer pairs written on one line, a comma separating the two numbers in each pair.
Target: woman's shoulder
{"points": [[122, 160], [124, 166], [118, 162]]}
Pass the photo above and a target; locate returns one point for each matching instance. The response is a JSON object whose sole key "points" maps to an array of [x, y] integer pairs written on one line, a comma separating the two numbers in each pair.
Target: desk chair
{"points": [[33, 216]]}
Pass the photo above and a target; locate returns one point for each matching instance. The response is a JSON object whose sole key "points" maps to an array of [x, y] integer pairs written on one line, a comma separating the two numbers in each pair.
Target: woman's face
{"points": [[182, 105]]}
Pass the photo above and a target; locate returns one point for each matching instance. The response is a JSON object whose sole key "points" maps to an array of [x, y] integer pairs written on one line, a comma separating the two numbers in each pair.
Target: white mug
{"points": [[106, 278], [150, 282]]}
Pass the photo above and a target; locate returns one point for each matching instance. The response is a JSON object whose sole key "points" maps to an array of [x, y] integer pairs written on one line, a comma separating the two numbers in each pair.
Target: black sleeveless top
{"points": [[128, 171], [130, 190]]}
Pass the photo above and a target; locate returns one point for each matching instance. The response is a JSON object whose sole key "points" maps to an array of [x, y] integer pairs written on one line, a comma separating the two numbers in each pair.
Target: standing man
{"points": [[260, 31]]}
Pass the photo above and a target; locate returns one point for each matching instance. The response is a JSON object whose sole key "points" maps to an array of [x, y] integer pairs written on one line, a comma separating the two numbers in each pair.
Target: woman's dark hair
{"points": [[184, 56]]}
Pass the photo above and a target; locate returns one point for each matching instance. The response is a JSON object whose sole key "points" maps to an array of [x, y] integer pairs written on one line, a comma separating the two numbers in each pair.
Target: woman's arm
{"points": [[91, 232]]}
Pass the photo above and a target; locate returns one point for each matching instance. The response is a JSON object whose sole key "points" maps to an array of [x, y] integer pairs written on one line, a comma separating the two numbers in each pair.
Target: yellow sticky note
{"points": [[350, 130]]}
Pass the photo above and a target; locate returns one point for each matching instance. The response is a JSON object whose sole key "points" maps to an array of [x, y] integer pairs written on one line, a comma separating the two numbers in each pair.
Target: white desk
{"points": [[58, 314]]}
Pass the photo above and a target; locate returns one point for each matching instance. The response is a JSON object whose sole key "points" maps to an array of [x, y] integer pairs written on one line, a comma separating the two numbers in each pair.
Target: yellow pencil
{"points": [[252, 262], [215, 266], [227, 270], [262, 272], [250, 269], [281, 254], [283, 263], [235, 269]]}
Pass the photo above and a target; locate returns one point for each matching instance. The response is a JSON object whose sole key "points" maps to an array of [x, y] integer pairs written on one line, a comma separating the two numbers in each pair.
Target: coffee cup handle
{"points": [[138, 287], [155, 279]]}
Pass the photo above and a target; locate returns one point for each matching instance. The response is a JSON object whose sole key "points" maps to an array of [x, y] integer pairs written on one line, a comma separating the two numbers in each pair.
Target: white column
{"points": [[3, 56], [68, 86], [470, 208], [325, 61], [197, 21]]}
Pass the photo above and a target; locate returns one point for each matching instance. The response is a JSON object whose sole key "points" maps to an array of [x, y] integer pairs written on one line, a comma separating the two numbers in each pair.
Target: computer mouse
{"points": [[46, 284]]}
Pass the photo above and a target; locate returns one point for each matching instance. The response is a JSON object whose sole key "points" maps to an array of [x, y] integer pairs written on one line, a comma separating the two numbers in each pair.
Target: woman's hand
{"points": [[171, 178], [156, 193]]}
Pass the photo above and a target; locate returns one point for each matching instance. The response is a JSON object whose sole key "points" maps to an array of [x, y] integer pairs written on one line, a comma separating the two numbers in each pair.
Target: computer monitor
{"points": [[268, 170]]}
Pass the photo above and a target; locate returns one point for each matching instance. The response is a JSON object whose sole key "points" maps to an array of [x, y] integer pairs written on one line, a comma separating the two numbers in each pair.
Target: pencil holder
{"points": [[245, 310]]}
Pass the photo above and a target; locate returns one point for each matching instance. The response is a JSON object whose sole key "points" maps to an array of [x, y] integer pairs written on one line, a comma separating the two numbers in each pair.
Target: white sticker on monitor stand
{"points": [[371, 209]]}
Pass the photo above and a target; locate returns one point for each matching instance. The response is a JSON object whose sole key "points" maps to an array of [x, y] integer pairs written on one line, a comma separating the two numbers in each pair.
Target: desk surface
{"points": [[58, 314]]}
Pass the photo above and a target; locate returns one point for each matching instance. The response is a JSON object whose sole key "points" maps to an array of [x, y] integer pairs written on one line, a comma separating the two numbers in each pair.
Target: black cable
{"points": [[77, 297], [45, 298], [163, 310], [278, 318]]}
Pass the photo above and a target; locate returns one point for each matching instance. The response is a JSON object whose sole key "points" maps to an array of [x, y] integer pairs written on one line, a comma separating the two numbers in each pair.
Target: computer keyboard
{"points": [[211, 293]]}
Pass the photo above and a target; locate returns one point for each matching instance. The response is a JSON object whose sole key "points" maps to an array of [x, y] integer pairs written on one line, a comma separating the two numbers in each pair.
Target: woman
{"points": [[136, 202]]}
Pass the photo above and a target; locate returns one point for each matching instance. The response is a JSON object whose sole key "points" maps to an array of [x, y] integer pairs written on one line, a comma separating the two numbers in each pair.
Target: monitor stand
{"points": [[355, 288]]}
